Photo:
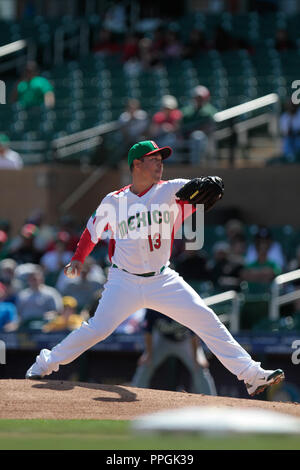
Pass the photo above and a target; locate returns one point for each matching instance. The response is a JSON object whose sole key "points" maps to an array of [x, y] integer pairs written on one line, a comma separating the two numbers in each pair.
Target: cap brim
{"points": [[165, 151]]}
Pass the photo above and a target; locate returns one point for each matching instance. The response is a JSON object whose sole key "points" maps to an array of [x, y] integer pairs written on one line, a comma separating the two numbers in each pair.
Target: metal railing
{"points": [[244, 108], [232, 318], [82, 140], [79, 192], [278, 299], [79, 42], [26, 47], [241, 129], [237, 132]]}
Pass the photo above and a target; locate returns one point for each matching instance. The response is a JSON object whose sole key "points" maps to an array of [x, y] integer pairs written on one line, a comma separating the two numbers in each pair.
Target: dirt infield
{"points": [[52, 399]]}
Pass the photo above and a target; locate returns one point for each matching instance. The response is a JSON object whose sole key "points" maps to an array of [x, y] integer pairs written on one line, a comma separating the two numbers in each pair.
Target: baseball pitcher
{"points": [[143, 218]]}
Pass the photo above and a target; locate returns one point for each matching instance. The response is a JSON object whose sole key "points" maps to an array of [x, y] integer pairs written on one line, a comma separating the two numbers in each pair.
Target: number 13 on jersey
{"points": [[154, 242]]}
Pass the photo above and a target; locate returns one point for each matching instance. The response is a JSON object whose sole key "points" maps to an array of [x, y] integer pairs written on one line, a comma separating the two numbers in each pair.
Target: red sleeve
{"points": [[158, 118], [177, 114], [84, 247]]}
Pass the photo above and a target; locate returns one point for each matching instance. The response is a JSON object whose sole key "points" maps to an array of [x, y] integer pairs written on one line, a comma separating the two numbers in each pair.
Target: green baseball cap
{"points": [[4, 139], [145, 148]]}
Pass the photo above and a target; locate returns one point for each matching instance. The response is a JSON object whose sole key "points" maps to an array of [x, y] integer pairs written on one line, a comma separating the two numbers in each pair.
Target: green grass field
{"points": [[37, 434]]}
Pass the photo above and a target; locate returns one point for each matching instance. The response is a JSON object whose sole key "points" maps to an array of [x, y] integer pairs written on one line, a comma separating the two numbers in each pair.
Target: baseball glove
{"points": [[205, 190]]}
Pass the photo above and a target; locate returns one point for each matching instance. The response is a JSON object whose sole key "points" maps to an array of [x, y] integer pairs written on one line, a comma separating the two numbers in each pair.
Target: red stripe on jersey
{"points": [[84, 247], [148, 189], [122, 189], [111, 248], [145, 191]]}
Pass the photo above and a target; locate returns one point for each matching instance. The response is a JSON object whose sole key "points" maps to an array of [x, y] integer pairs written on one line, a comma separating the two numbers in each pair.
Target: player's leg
{"points": [[172, 296], [183, 351], [119, 300], [145, 372]]}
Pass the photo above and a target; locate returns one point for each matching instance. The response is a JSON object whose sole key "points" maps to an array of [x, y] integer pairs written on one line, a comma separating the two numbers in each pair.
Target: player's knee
{"points": [[97, 329]]}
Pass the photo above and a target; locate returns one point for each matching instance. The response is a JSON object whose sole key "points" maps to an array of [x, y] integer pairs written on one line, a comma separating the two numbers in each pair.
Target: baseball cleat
{"points": [[34, 372], [270, 377]]}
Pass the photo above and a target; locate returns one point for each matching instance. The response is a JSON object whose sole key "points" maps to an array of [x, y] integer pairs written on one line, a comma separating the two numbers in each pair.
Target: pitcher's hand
{"points": [[73, 269]]}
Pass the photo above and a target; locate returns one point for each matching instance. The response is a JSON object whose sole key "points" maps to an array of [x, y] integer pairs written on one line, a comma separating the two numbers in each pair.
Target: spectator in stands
{"points": [[8, 278], [54, 261], [22, 250], [5, 225], [192, 265], [9, 320], [46, 232], [263, 270], [82, 288], [106, 43], [166, 123], [235, 233], [5, 238], [34, 302], [149, 58], [196, 44], [274, 253], [115, 17], [158, 42], [67, 319], [67, 224], [134, 122], [9, 159], [198, 125], [224, 270], [23, 271], [238, 249], [173, 46], [289, 125], [142, 54], [96, 274], [33, 90], [282, 41], [131, 46], [4, 247], [233, 228]]}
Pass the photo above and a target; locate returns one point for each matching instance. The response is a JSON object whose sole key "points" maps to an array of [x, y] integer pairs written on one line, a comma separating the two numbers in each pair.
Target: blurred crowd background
{"points": [[150, 70], [37, 296], [101, 76]]}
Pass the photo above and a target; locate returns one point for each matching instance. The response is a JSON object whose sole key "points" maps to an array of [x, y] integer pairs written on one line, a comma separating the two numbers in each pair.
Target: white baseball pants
{"points": [[167, 293]]}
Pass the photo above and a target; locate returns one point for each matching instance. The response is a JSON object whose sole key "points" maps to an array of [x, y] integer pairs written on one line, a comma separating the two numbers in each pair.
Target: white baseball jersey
{"points": [[142, 226]]}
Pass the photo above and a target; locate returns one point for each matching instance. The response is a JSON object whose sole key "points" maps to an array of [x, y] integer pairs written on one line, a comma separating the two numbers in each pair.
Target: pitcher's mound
{"points": [[53, 399]]}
